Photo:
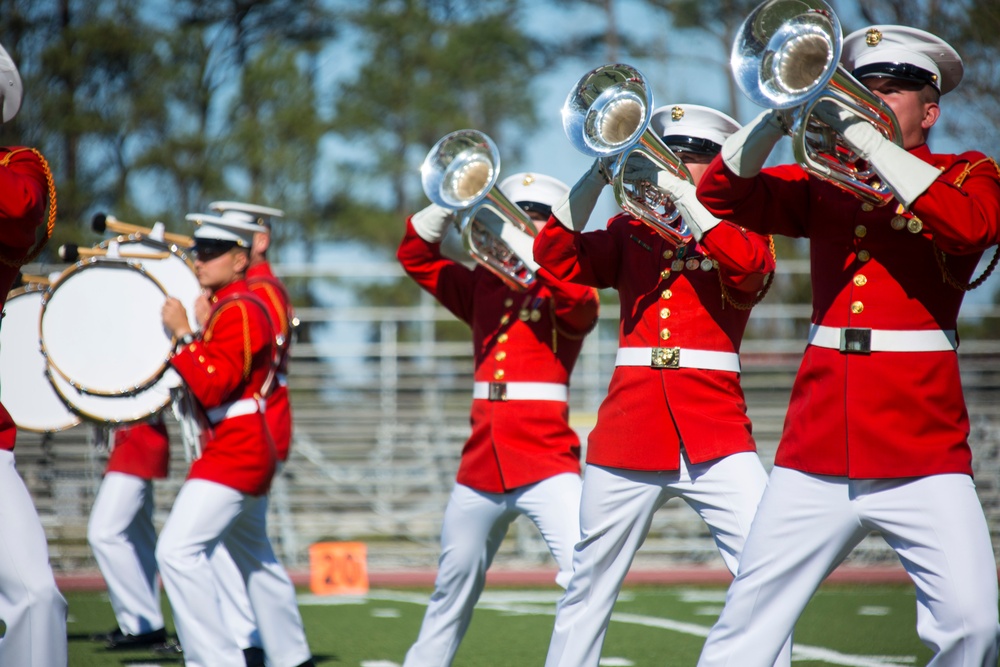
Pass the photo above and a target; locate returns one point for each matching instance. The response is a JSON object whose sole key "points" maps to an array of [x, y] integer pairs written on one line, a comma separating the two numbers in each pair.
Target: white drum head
{"points": [[116, 409], [24, 389], [175, 273], [102, 328]]}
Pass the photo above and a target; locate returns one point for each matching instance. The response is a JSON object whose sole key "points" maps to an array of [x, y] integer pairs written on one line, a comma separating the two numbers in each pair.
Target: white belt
{"points": [[676, 357], [244, 406], [520, 391], [864, 341]]}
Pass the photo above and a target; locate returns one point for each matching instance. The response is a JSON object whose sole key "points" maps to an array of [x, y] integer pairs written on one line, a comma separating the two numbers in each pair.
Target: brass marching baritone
{"points": [[786, 56], [606, 115], [460, 173]]}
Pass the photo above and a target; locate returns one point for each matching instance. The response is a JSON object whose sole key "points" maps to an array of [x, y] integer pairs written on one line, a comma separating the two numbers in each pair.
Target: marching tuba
{"points": [[606, 115], [460, 173], [786, 55]]}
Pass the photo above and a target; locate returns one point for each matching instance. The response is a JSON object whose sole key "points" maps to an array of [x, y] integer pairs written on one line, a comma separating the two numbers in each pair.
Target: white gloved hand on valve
{"points": [[682, 194], [906, 175], [574, 209], [746, 150], [431, 223]]}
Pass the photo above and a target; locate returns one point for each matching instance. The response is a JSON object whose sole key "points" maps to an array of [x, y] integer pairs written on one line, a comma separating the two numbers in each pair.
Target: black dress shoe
{"points": [[254, 656], [120, 641]]}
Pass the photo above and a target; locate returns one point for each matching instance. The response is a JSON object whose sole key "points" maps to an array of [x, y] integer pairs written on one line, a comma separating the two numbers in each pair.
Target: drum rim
{"points": [[82, 265], [91, 416]]}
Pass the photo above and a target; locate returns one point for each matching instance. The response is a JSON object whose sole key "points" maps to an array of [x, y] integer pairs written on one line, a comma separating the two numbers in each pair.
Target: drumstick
{"points": [[72, 253], [103, 222]]}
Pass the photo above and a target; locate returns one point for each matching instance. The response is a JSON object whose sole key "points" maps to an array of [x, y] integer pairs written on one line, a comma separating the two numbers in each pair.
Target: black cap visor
{"points": [[682, 144], [903, 71]]}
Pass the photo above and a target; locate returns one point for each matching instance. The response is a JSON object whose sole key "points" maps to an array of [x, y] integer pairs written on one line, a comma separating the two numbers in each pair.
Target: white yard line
{"points": [[526, 603]]}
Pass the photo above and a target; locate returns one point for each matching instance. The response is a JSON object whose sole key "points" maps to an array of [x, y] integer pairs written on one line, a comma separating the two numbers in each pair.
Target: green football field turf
{"points": [[662, 626]]}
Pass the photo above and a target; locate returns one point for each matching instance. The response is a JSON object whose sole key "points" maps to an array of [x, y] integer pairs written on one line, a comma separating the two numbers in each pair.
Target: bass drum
{"points": [[115, 410], [175, 272], [25, 391], [102, 329]]}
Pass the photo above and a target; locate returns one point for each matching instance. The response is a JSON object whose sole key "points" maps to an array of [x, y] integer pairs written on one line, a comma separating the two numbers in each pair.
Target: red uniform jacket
{"points": [[228, 362], [513, 443], [263, 283], [141, 449], [23, 200], [650, 413], [885, 414]]}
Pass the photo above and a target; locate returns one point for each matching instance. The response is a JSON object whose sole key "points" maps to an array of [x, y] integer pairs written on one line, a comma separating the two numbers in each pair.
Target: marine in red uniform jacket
{"points": [[265, 285], [23, 201], [532, 336], [670, 297], [141, 449], [230, 362], [878, 268]]}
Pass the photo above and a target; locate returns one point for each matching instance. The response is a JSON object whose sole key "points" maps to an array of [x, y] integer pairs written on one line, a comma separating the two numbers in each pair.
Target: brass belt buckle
{"points": [[856, 340], [666, 357], [498, 391]]}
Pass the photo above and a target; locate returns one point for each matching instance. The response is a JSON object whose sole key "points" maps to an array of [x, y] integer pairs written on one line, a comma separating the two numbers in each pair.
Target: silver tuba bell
{"points": [[786, 55], [606, 115], [460, 173]]}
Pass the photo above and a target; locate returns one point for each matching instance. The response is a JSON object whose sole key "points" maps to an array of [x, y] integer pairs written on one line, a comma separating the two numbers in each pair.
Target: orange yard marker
{"points": [[338, 568]]}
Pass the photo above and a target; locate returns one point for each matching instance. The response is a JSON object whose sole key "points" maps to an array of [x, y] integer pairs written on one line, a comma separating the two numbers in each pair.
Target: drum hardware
{"points": [[606, 115], [103, 222], [460, 173]]}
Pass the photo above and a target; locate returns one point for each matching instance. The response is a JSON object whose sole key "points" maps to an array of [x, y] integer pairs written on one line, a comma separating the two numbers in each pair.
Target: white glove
{"points": [[575, 208], [517, 240], [431, 223], [746, 150], [682, 194], [906, 175]]}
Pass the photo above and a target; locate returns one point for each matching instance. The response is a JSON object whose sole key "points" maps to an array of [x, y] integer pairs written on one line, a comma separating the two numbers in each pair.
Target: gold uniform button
{"points": [[860, 280], [664, 313], [914, 226], [508, 302], [500, 356], [860, 231], [864, 255], [498, 375], [857, 307], [664, 274], [505, 319], [502, 338], [898, 222], [666, 294], [667, 254], [866, 207], [665, 334]]}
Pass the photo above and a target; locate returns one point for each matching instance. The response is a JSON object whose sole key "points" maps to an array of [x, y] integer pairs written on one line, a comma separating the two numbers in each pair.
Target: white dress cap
{"points": [[234, 226], [11, 88], [528, 188], [901, 52], [682, 122], [262, 214]]}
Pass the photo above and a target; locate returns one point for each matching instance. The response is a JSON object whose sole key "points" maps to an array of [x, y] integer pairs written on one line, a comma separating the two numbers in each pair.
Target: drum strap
{"points": [[269, 382]]}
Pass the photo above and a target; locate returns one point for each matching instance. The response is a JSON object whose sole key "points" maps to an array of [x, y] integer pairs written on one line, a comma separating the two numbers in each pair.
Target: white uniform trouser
{"points": [[474, 526], [204, 514], [123, 539], [616, 511], [233, 599], [30, 603], [807, 524]]}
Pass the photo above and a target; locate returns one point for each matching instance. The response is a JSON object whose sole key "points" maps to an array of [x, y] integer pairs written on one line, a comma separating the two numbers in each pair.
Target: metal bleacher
{"points": [[380, 420]]}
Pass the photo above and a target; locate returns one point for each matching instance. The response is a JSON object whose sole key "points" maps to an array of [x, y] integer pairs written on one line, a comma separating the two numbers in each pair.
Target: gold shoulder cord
{"points": [[942, 258], [50, 223], [728, 298]]}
